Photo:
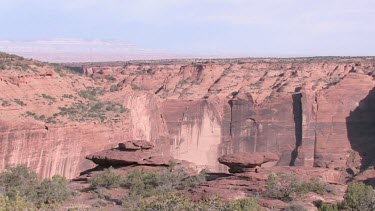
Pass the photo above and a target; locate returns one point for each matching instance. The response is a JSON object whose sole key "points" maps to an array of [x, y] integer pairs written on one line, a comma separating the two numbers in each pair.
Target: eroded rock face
{"points": [[310, 112], [241, 161], [55, 149]]}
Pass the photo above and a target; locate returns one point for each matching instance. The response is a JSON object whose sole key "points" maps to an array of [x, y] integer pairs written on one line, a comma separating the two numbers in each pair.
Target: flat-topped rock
{"points": [[116, 157], [135, 145], [241, 161], [119, 157]]}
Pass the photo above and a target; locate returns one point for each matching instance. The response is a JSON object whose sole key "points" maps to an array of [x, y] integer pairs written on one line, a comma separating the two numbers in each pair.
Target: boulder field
{"points": [[303, 112]]}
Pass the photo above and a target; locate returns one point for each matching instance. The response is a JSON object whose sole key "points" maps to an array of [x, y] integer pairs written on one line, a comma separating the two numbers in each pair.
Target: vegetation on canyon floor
{"points": [[166, 189], [162, 190], [20, 189], [285, 186]]}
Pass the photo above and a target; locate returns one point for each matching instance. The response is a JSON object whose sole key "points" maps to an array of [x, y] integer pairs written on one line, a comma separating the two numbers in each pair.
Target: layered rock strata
{"points": [[308, 111]]}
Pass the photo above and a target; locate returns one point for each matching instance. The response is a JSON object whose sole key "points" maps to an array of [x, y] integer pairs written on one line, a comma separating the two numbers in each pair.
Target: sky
{"points": [[253, 28]]}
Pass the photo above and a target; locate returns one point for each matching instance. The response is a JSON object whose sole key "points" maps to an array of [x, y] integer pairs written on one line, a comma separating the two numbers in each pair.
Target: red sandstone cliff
{"points": [[300, 109]]}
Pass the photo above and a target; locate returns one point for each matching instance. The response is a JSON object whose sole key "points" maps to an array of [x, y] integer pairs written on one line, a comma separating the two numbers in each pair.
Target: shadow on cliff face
{"points": [[361, 130], [297, 114]]}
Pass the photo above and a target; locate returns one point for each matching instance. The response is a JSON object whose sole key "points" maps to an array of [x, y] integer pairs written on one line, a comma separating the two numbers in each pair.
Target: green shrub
{"points": [[132, 202], [91, 93], [48, 97], [3, 66], [179, 201], [54, 191], [107, 179], [69, 96], [35, 116], [285, 186], [4, 102], [110, 78], [19, 181], [282, 186], [314, 185], [102, 193], [147, 183], [295, 207], [166, 201], [114, 88], [322, 206], [93, 110], [146, 187], [359, 197], [19, 102], [142, 183], [21, 188], [59, 71], [18, 203], [248, 204]]}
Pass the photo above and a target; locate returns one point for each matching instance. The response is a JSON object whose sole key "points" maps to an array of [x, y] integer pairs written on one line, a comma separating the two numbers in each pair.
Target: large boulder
{"points": [[136, 152], [116, 157], [242, 161], [135, 145]]}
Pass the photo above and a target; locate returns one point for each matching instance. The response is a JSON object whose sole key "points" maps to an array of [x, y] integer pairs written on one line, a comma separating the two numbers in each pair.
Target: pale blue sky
{"points": [[227, 27]]}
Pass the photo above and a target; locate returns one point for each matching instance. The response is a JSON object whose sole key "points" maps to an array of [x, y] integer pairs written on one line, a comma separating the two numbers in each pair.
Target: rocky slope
{"points": [[310, 111], [51, 118]]}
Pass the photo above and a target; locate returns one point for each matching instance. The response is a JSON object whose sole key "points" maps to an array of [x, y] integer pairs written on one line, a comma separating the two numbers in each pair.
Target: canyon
{"points": [[310, 112]]}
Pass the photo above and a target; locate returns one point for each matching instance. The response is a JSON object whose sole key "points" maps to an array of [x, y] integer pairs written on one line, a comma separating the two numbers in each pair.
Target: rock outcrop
{"points": [[136, 152], [135, 145], [242, 161]]}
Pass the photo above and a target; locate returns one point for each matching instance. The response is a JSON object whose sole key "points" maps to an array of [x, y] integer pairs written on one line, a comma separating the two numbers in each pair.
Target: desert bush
{"points": [[153, 190], [332, 189], [93, 110], [142, 183], [19, 102], [49, 97], [322, 206], [178, 201], [4, 102], [101, 203], [147, 183], [91, 93], [314, 185], [3, 66], [21, 188], [295, 207], [110, 78], [285, 186], [248, 204], [359, 197], [18, 203], [166, 201], [281, 186], [54, 191], [59, 71], [114, 88], [19, 181], [69, 96], [102, 193], [34, 115], [107, 179]]}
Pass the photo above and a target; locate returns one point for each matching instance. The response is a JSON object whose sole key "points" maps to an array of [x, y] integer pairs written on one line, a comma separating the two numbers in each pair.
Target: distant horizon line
{"points": [[208, 58]]}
